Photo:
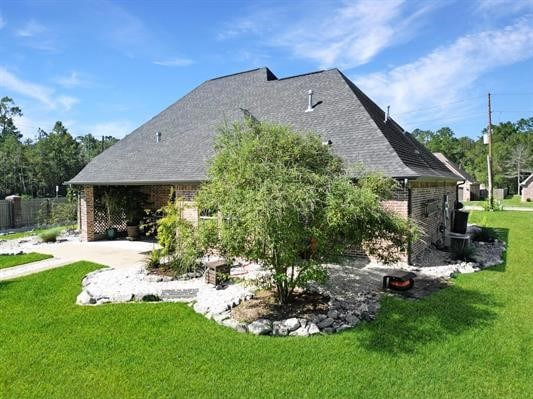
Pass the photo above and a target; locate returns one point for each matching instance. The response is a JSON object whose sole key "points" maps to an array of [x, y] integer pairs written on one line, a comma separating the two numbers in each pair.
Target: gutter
{"points": [[132, 183]]}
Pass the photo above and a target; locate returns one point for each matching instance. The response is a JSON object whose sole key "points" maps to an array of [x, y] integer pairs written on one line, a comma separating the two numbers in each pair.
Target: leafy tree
{"points": [[8, 110], [286, 202], [58, 158], [90, 146]]}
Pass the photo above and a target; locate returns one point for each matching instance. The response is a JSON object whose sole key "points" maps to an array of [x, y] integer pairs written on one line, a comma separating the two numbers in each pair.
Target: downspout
{"points": [[409, 213]]}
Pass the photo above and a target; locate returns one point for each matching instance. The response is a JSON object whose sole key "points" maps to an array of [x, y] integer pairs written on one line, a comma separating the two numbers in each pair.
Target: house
{"points": [[527, 188], [469, 189], [173, 148]]}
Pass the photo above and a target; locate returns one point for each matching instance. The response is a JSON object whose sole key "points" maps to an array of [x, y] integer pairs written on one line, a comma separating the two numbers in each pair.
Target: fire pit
{"points": [[400, 281]]}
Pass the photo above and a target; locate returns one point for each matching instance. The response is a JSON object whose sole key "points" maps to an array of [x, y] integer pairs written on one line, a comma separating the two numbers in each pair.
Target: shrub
{"points": [[50, 235], [287, 202], [153, 260], [180, 240], [528, 199], [497, 205]]}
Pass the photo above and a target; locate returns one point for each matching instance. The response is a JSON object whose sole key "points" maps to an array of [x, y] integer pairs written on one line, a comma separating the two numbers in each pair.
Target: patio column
{"points": [[87, 213]]}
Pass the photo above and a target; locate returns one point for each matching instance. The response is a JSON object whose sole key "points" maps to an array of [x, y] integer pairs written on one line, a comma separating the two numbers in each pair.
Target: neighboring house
{"points": [[527, 188], [469, 187], [173, 148]]}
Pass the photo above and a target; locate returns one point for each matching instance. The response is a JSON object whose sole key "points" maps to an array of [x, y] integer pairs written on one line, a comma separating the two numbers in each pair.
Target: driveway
{"points": [[117, 254]]}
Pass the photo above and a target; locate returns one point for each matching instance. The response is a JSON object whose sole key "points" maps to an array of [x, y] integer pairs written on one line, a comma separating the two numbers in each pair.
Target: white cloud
{"points": [[117, 128], [439, 80], [30, 29], [504, 7], [67, 102], [74, 79], [174, 62], [345, 36], [45, 95], [2, 21]]}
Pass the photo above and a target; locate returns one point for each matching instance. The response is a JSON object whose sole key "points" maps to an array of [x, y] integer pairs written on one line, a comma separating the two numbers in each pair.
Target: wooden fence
{"points": [[31, 212]]}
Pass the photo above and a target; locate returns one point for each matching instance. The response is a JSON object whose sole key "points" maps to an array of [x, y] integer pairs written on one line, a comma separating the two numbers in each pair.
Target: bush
{"points": [[528, 199], [50, 235], [153, 260], [180, 240], [497, 205]]}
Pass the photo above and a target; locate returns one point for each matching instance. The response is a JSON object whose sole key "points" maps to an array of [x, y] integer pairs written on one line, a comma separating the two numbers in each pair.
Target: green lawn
{"points": [[15, 260], [514, 201], [474, 339], [22, 234]]}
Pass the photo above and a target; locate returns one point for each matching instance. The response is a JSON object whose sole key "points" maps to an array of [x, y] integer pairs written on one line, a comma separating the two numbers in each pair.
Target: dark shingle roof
{"points": [[343, 114]]}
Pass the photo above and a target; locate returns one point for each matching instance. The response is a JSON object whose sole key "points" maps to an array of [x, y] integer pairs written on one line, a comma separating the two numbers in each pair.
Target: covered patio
{"points": [[95, 216]]}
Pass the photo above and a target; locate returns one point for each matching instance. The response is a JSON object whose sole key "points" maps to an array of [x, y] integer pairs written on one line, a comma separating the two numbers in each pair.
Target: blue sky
{"points": [[105, 67]]}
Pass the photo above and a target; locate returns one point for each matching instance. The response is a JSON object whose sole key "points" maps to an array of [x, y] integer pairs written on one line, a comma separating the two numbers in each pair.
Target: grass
{"points": [[474, 339], [22, 259], [514, 201], [22, 234]]}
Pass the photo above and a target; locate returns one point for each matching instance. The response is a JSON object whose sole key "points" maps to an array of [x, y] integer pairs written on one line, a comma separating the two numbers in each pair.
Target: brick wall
{"points": [[423, 193], [159, 196], [87, 213]]}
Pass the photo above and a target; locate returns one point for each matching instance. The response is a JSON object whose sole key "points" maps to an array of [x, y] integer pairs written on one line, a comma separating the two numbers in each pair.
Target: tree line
{"points": [[35, 167], [512, 151]]}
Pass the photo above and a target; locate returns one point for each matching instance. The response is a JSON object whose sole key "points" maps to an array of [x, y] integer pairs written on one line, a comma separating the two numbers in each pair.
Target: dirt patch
{"points": [[264, 306]]}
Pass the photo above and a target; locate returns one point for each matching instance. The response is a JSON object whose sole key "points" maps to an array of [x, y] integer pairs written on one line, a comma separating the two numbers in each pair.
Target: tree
{"points": [[90, 146], [286, 202], [58, 158], [8, 110], [519, 159]]}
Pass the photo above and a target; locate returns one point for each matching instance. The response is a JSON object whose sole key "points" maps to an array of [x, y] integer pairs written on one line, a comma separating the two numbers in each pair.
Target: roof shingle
{"points": [[342, 114]]}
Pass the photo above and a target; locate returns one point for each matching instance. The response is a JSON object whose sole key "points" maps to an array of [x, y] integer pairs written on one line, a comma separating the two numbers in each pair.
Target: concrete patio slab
{"points": [[117, 254]]}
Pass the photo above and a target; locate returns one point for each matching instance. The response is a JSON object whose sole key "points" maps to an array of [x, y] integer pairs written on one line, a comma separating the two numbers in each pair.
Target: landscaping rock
{"points": [[291, 324], [313, 329], [220, 317], [325, 323], [241, 327], [231, 323], [352, 320], [260, 327], [280, 329], [300, 332], [85, 299], [333, 314], [343, 327]]}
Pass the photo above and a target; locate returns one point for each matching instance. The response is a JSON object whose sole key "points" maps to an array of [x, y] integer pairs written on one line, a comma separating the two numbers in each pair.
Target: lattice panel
{"points": [[101, 223]]}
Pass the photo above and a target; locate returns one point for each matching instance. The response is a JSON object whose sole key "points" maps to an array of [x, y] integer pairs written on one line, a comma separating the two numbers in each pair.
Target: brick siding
{"points": [[421, 194], [87, 213]]}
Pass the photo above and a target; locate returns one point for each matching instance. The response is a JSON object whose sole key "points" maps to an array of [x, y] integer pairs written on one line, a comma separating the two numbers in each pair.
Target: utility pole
{"points": [[489, 157], [102, 143]]}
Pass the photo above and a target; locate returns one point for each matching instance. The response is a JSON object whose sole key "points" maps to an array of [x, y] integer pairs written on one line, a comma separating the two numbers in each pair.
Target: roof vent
{"points": [[387, 114], [310, 102], [158, 137]]}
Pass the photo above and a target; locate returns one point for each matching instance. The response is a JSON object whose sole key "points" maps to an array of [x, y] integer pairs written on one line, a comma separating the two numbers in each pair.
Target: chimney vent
{"points": [[387, 114], [310, 102], [158, 137]]}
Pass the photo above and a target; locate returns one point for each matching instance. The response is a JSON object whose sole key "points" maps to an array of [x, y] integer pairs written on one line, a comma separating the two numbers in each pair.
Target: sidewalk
{"points": [[505, 208]]}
